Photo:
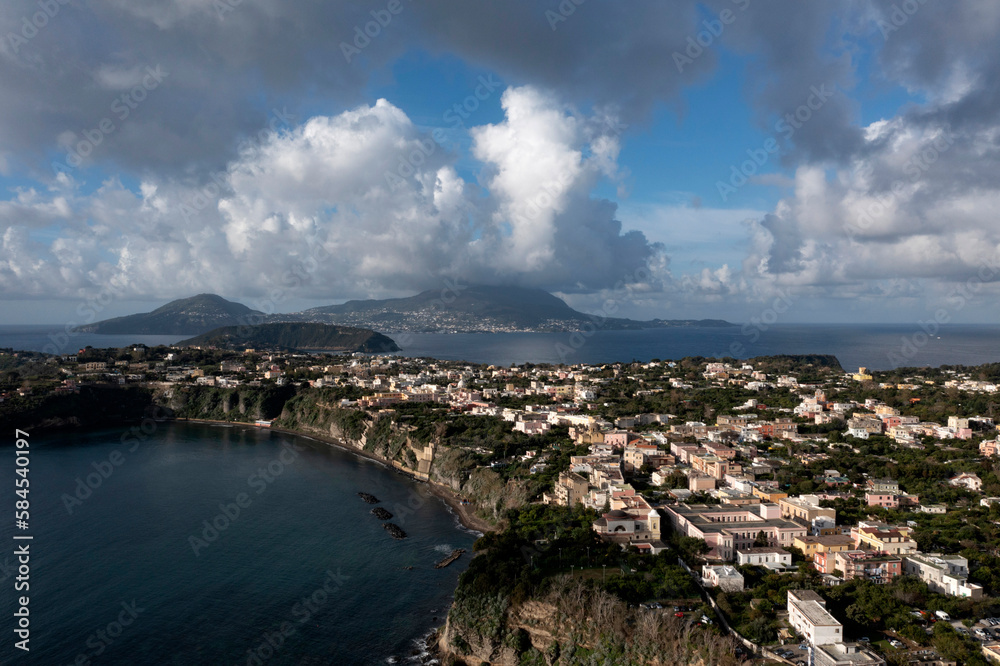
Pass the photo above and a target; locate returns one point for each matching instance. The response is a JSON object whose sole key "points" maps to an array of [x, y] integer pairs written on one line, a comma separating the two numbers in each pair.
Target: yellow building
{"points": [[805, 508], [766, 495], [833, 543], [892, 539]]}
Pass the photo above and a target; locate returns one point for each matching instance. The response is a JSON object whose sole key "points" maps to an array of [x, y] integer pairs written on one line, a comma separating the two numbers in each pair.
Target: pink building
{"points": [[884, 500], [616, 439]]}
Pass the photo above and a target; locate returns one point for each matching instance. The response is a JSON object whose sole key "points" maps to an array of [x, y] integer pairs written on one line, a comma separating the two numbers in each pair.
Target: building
{"points": [[992, 652], [638, 525], [728, 529], [768, 494], [863, 426], [568, 490], [723, 577], [808, 615], [714, 466], [698, 482], [945, 574], [831, 543], [636, 455], [893, 540], [884, 500], [968, 481], [887, 486], [805, 508], [845, 654], [868, 565], [772, 558]]}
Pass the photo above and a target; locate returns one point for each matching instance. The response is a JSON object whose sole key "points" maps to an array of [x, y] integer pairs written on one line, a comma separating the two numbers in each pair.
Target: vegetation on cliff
{"points": [[293, 335], [91, 407], [546, 590]]}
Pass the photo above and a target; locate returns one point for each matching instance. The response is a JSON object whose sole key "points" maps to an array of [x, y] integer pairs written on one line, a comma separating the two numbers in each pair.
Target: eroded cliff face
{"points": [[379, 437], [574, 624], [532, 626]]}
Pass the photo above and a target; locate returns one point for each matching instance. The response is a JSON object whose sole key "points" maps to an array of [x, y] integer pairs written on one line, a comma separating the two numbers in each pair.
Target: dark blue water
{"points": [[877, 346], [304, 563]]}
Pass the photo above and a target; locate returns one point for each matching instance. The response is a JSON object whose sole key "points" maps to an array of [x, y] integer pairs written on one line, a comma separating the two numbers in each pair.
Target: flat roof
{"points": [[857, 655], [816, 614]]}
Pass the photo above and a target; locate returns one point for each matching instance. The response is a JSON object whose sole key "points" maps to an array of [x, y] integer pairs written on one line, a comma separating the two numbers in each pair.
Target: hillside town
{"points": [[775, 474]]}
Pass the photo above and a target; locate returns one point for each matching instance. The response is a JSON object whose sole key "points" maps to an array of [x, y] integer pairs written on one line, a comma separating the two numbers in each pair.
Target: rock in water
{"points": [[394, 530]]}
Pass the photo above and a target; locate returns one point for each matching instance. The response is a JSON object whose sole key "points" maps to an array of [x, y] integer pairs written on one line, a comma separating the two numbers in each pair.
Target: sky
{"points": [[644, 159]]}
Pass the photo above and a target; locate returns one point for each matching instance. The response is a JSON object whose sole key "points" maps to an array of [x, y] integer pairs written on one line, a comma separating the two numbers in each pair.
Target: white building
{"points": [[966, 480], [808, 615], [845, 654], [764, 557], [724, 577], [946, 574]]}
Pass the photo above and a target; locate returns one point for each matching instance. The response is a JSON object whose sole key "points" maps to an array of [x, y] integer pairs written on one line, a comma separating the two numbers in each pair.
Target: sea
{"points": [[195, 544], [875, 346]]}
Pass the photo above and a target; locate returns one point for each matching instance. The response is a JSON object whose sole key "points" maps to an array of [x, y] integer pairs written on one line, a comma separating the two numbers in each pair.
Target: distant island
{"points": [[295, 336], [480, 308], [186, 316], [466, 309]]}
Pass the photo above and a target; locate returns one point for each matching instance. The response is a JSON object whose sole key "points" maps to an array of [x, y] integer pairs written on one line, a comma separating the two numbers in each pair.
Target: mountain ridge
{"points": [[479, 308], [467, 309], [185, 316]]}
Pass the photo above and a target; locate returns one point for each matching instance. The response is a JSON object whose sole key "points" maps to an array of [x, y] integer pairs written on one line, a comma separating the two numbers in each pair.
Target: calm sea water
{"points": [[304, 564], [878, 347]]}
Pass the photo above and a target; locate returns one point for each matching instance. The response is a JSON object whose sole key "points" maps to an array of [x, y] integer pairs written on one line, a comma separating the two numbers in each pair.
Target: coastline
{"points": [[452, 499], [465, 516]]}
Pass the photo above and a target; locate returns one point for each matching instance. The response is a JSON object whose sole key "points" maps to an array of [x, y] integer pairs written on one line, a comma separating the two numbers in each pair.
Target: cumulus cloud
{"points": [[355, 204], [365, 202]]}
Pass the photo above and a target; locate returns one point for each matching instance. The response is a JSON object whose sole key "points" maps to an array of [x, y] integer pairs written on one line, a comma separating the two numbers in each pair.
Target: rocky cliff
{"points": [[573, 623]]}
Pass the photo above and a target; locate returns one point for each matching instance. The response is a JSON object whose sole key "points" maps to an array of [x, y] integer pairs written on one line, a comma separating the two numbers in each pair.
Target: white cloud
{"points": [[361, 203]]}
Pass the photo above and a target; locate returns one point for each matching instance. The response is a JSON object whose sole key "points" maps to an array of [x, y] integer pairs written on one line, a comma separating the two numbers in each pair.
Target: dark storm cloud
{"points": [[229, 63]]}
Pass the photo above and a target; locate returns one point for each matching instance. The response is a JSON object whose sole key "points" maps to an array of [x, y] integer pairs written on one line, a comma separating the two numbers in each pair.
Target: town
{"points": [[824, 516]]}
